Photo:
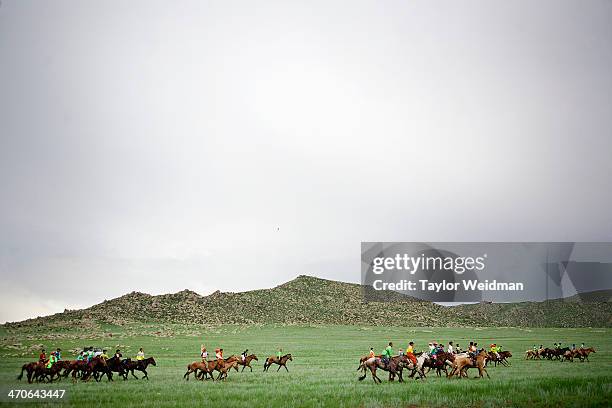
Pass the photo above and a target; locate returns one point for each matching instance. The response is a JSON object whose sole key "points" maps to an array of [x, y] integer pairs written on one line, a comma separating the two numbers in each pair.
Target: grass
{"points": [[323, 372]]}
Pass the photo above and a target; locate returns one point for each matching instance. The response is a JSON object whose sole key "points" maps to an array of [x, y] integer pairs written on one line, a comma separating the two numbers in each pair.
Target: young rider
{"points": [[279, 354], [58, 354], [203, 353], [104, 356], [43, 356], [52, 359], [140, 355], [244, 355], [388, 353], [371, 355], [450, 348], [410, 352]]}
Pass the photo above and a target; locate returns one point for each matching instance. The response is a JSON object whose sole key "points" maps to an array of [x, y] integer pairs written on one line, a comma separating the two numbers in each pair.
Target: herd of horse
{"points": [[204, 370], [95, 368], [422, 363], [560, 354]]}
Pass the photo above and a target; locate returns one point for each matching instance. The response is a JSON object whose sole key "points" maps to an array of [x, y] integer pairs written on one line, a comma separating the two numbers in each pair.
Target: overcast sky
{"points": [[232, 145]]}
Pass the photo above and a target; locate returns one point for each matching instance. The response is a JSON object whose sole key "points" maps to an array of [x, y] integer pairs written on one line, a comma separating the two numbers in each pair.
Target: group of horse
{"points": [[95, 368], [204, 370], [560, 354], [458, 363]]}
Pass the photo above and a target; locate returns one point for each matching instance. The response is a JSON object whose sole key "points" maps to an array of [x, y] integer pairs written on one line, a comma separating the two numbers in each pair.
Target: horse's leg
{"points": [[146, 375], [186, 375], [279, 367], [285, 365], [133, 375]]}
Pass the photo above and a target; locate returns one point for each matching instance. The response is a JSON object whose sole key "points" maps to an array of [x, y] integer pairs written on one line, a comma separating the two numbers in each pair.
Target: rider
{"points": [[80, 356], [118, 355], [58, 354], [104, 355], [90, 354], [401, 352], [43, 356], [203, 353], [582, 346], [140, 355], [371, 355], [410, 352], [433, 350], [574, 347], [495, 350], [473, 352], [218, 354], [387, 353], [52, 359], [279, 353], [244, 355], [450, 348]]}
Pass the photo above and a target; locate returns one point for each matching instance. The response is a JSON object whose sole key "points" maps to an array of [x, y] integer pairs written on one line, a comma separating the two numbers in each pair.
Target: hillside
{"points": [[310, 300]]}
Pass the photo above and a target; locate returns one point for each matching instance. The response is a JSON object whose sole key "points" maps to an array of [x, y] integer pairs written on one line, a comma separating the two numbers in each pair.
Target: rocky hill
{"points": [[309, 300]]}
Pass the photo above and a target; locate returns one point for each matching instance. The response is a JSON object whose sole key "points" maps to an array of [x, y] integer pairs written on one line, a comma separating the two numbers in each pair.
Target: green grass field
{"points": [[323, 372]]}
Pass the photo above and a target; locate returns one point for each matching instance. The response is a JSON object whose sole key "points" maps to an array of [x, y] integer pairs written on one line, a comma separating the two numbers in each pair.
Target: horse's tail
{"points": [[20, 376]]}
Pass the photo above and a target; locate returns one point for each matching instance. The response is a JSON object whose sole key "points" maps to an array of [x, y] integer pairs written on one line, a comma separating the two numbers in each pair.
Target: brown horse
{"points": [[225, 367], [43, 373], [194, 367], [439, 361], [461, 365], [395, 367], [282, 362], [584, 353], [501, 359], [247, 362], [29, 368]]}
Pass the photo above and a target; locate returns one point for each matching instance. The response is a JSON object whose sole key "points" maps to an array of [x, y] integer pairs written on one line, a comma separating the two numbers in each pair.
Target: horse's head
{"points": [[253, 357], [289, 357], [151, 361], [508, 354]]}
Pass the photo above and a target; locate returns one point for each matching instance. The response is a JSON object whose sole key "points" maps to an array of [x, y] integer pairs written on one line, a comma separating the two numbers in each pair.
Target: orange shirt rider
{"points": [[219, 353]]}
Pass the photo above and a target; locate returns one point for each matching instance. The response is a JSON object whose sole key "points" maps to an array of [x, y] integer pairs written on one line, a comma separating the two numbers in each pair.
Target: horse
{"points": [[29, 368], [116, 364], [395, 367], [584, 353], [247, 361], [461, 365], [500, 358], [226, 366], [140, 365], [282, 362], [194, 367], [76, 367], [439, 361], [43, 373], [97, 367]]}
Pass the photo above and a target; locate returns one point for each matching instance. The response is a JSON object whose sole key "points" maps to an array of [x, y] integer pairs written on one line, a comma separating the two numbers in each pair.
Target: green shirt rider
{"points": [[387, 353]]}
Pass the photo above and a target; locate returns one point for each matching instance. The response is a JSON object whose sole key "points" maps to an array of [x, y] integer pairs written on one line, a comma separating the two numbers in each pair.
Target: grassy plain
{"points": [[323, 372]]}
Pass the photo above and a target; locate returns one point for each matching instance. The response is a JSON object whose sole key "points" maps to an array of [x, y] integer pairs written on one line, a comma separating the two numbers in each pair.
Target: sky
{"points": [[156, 146]]}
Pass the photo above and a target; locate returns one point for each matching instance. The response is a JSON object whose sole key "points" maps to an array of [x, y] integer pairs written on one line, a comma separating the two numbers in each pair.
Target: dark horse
{"points": [[247, 361], [140, 365], [29, 368], [282, 362], [116, 364], [395, 367]]}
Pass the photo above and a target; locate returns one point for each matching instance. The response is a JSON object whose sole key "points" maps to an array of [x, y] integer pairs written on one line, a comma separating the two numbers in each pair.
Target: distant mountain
{"points": [[310, 300]]}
